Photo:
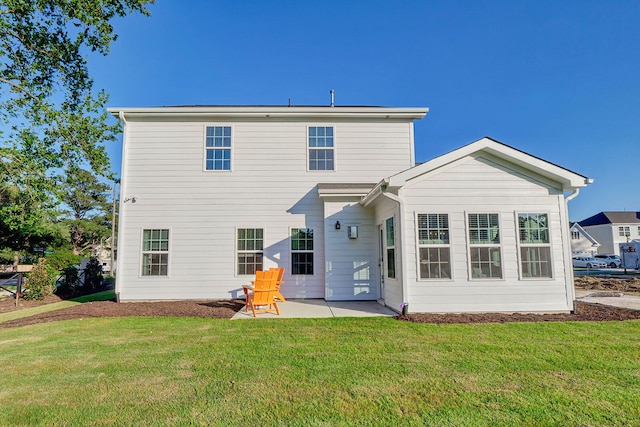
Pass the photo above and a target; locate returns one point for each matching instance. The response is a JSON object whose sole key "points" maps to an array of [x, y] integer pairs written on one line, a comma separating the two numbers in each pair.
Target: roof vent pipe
{"points": [[332, 92]]}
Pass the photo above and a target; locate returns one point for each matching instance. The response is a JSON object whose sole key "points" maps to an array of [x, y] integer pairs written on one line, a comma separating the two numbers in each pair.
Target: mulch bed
{"points": [[225, 309]]}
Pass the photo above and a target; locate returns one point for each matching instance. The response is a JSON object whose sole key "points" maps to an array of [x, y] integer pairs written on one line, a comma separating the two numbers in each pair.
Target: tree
{"points": [[88, 215], [51, 119]]}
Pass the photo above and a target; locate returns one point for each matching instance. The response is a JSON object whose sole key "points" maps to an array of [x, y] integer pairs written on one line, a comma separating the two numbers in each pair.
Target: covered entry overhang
{"points": [[351, 268]]}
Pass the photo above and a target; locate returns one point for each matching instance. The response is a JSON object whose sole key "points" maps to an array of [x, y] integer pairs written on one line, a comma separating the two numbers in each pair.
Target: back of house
{"points": [[212, 194]]}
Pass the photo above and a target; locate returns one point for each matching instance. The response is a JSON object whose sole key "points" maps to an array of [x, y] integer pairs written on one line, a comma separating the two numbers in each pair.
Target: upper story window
{"points": [[484, 240], [575, 235], [320, 145], [624, 231], [218, 148]]}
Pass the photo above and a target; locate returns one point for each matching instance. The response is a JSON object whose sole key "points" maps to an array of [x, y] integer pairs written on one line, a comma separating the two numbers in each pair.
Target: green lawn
{"points": [[324, 372]]}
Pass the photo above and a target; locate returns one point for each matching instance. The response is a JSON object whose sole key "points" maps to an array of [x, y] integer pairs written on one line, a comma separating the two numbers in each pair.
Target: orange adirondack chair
{"points": [[279, 281], [263, 293]]}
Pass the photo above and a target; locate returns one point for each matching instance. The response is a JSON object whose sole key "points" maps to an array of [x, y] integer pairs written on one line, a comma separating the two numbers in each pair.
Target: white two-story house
{"points": [[612, 228], [211, 194]]}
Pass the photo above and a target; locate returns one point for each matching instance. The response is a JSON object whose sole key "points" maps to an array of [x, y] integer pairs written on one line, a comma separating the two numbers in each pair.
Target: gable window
{"points": [[301, 251], [218, 148], [535, 247], [484, 246], [320, 144], [250, 250], [624, 231], [155, 252], [433, 246], [391, 248], [575, 235]]}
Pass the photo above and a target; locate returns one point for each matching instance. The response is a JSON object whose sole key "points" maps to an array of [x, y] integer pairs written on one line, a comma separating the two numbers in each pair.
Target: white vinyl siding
{"points": [[485, 184], [433, 246], [163, 168]]}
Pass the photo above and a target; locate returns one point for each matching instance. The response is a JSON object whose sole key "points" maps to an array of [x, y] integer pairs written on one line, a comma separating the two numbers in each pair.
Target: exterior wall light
{"points": [[337, 225]]}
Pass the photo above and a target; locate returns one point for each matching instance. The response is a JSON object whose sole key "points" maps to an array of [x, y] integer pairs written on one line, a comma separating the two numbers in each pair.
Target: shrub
{"points": [[93, 274], [62, 259], [70, 281], [40, 282]]}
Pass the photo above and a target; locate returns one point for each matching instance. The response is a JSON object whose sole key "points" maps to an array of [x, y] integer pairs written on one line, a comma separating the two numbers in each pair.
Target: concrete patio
{"points": [[318, 308]]}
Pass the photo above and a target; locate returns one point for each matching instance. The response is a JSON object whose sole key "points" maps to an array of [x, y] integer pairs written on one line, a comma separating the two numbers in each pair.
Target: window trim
{"points": [[143, 252], [308, 148], [205, 148], [470, 246], [520, 245], [624, 229], [392, 247], [298, 251], [238, 252], [448, 246]]}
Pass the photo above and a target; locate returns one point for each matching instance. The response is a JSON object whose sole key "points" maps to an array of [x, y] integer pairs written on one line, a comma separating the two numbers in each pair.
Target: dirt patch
{"points": [[225, 309], [629, 286]]}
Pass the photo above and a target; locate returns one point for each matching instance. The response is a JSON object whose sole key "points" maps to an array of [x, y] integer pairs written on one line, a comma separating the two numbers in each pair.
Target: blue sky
{"points": [[557, 79]]}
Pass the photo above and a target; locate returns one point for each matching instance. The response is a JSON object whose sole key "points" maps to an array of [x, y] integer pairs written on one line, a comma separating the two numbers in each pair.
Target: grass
{"points": [[26, 312], [319, 372]]}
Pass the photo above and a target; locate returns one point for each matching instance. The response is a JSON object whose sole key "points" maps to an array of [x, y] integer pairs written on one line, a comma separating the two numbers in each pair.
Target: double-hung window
{"points": [[302, 251], [624, 231], [391, 247], [484, 246], [535, 247], [155, 252], [320, 145], [218, 148], [433, 246], [250, 250]]}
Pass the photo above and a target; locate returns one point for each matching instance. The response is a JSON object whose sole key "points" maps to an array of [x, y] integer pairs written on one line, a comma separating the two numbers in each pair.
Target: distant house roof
{"points": [[576, 227], [612, 218]]}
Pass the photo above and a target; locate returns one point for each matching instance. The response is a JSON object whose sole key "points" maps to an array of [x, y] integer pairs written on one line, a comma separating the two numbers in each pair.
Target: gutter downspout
{"points": [[571, 295], [120, 203], [403, 264]]}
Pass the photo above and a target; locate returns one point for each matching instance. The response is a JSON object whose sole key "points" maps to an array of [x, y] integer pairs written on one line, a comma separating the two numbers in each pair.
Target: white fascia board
{"points": [[274, 112], [526, 161]]}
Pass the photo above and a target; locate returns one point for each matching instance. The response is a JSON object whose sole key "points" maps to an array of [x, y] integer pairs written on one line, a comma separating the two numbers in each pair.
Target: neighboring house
{"points": [[612, 228], [212, 194], [582, 244]]}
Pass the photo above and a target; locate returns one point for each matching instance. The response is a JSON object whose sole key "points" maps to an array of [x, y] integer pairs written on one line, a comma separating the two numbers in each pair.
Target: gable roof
{"points": [[576, 227], [568, 179], [612, 218]]}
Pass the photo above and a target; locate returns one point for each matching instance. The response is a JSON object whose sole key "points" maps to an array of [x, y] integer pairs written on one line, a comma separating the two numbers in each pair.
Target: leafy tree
{"points": [[88, 216], [51, 118], [25, 223]]}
